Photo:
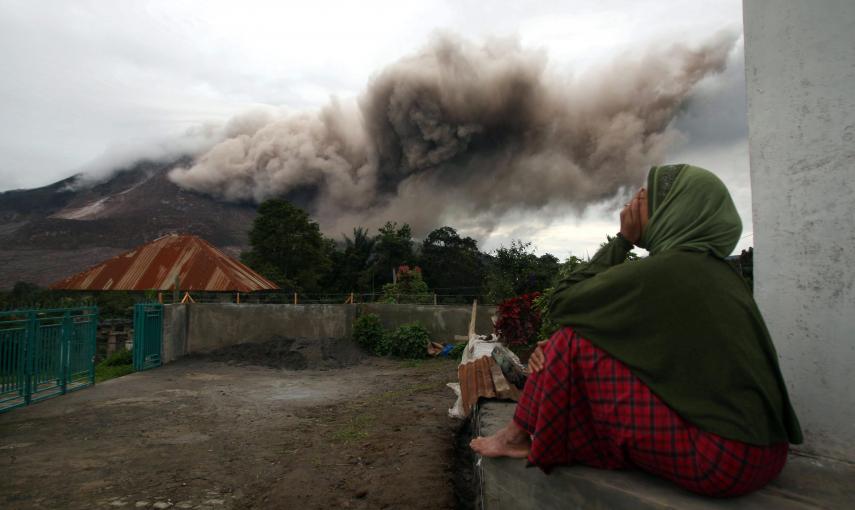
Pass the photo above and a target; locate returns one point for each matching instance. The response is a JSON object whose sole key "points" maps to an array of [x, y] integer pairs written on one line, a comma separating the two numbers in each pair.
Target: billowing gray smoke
{"points": [[463, 131]]}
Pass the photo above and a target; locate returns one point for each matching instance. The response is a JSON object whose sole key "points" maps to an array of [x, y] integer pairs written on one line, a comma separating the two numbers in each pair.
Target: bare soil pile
{"points": [[291, 353]]}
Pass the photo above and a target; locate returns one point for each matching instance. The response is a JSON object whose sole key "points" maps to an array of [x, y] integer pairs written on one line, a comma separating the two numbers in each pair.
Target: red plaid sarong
{"points": [[587, 407]]}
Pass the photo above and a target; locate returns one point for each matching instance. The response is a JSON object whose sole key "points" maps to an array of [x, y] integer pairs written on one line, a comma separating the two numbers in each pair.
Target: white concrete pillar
{"points": [[800, 76]]}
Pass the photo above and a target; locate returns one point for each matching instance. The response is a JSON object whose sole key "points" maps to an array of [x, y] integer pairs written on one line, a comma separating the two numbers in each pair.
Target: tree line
{"points": [[287, 247]]}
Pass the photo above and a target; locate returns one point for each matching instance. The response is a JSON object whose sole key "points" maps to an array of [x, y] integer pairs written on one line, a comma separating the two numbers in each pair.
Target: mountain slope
{"points": [[54, 231]]}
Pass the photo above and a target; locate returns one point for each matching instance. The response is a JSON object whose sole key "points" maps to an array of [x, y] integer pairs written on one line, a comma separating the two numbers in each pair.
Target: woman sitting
{"points": [[663, 363]]}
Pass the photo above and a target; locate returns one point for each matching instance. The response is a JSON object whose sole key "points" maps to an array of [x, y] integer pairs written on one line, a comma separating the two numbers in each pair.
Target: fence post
{"points": [[30, 342], [65, 350], [93, 344], [137, 344], [22, 362], [295, 298]]}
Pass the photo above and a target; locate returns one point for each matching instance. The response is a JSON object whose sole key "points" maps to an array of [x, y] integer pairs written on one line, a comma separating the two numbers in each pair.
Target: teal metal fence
{"points": [[45, 353], [148, 335]]}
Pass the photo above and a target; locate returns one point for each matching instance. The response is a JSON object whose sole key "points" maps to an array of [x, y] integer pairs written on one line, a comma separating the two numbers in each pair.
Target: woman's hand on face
{"points": [[633, 217], [537, 359]]}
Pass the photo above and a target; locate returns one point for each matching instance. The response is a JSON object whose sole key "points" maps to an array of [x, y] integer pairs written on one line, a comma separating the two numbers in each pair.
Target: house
{"points": [[171, 262]]}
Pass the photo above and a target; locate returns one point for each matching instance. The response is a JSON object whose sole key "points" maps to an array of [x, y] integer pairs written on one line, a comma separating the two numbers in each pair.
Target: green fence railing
{"points": [[45, 353]]}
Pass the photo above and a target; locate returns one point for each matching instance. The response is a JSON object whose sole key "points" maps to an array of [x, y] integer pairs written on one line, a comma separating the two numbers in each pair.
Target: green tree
{"points": [[541, 304], [393, 247], [509, 271], [545, 272], [516, 270], [452, 263], [409, 288], [25, 290], [351, 263], [357, 259], [287, 247]]}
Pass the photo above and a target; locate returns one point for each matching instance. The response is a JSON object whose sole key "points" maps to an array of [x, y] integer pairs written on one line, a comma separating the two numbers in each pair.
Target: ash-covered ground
{"points": [[205, 434]]}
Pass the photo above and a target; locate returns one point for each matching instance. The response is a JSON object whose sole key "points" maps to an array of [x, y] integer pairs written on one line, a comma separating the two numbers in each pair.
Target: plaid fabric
{"points": [[587, 407]]}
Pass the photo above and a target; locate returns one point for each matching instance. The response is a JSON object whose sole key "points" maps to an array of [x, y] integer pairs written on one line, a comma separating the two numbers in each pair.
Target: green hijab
{"points": [[690, 209], [681, 319]]}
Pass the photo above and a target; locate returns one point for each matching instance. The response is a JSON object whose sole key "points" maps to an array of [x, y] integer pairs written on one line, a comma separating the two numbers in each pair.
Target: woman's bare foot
{"points": [[511, 441]]}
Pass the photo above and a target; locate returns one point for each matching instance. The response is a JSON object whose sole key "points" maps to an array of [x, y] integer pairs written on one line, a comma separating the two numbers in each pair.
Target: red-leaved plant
{"points": [[518, 320]]}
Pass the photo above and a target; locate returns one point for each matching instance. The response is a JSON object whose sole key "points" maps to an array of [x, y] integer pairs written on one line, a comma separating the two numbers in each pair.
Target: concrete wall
{"points": [[175, 327], [211, 326], [800, 69], [204, 327], [443, 322]]}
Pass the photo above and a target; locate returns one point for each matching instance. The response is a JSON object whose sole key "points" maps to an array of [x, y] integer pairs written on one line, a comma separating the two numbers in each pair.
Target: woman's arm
{"points": [[633, 219], [614, 252], [579, 296]]}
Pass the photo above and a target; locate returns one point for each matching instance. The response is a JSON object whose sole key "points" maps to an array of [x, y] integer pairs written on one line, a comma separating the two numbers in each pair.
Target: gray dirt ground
{"points": [[206, 434]]}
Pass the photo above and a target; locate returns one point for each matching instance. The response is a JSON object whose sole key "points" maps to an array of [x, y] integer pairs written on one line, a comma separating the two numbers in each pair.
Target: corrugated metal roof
{"points": [[197, 264], [476, 380], [483, 378]]}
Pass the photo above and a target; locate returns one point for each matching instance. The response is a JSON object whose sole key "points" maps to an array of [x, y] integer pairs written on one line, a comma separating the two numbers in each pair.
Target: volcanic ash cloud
{"points": [[463, 129]]}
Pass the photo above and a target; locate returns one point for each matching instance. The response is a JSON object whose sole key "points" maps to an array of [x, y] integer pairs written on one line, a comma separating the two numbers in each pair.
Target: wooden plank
{"points": [[472, 317]]}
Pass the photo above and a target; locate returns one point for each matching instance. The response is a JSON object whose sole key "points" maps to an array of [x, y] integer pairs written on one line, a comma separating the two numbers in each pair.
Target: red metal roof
{"points": [[476, 381], [193, 261], [483, 378]]}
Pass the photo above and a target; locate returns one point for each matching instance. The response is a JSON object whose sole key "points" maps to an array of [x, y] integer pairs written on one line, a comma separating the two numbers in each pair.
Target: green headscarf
{"points": [[681, 319], [690, 208]]}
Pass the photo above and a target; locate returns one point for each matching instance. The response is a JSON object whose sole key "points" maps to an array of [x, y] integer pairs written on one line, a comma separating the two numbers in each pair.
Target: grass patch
{"points": [[104, 373], [438, 360], [405, 392], [115, 365], [413, 363], [358, 426], [355, 430]]}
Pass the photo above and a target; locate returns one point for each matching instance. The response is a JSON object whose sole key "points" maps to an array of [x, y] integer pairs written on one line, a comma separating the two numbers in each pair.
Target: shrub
{"points": [[384, 344], [409, 341], [541, 304], [105, 373], [368, 332], [519, 320], [123, 357], [115, 365]]}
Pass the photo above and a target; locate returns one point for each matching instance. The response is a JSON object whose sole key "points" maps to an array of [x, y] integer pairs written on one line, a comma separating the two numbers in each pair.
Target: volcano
{"points": [[52, 232]]}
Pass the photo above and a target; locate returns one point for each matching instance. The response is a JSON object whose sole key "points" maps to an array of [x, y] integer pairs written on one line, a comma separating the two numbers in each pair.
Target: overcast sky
{"points": [[85, 79]]}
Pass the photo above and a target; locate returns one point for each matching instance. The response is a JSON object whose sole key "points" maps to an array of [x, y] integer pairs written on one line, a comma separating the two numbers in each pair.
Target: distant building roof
{"points": [[195, 263]]}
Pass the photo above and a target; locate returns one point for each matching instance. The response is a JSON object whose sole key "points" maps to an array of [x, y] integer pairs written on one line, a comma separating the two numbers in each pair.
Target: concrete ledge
{"points": [[507, 484]]}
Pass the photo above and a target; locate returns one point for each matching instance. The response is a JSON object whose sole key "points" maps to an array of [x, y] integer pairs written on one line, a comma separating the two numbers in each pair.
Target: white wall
{"points": [[800, 70]]}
